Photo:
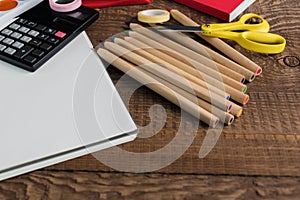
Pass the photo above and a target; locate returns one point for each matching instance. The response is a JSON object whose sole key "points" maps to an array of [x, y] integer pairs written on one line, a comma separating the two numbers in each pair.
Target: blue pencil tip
{"points": [[113, 38]]}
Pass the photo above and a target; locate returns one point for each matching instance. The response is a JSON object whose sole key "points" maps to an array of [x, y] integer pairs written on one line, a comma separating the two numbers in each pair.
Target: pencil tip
{"points": [[128, 23], [102, 42], [126, 32], [244, 89], [169, 9], [113, 38], [122, 37], [259, 71]]}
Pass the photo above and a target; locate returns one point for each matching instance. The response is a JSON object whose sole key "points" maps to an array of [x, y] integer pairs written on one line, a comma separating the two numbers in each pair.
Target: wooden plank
{"points": [[84, 185]]}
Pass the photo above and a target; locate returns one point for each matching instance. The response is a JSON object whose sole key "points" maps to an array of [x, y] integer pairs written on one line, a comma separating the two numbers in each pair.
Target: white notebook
{"points": [[53, 114]]}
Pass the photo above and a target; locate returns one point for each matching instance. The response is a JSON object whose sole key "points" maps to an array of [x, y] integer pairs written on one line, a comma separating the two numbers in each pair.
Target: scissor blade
{"points": [[180, 28]]}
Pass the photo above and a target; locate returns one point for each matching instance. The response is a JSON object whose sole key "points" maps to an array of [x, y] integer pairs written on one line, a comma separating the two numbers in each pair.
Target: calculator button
{"points": [[40, 27], [6, 32], [14, 26], [23, 52], [31, 24], [16, 35], [22, 21], [50, 31], [33, 33], [42, 36], [53, 40], [2, 47], [1, 37], [18, 45], [25, 38], [10, 51], [24, 29], [38, 53], [60, 34], [35, 42], [46, 46], [8, 41], [30, 59]]}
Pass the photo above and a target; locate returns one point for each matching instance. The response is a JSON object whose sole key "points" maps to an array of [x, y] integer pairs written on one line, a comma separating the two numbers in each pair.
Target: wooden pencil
{"points": [[183, 70], [218, 43], [153, 58], [236, 110], [209, 53], [190, 107], [215, 99], [223, 116], [187, 52], [185, 58]]}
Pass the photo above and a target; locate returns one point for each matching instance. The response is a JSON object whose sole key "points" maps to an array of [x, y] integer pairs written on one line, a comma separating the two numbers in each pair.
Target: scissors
{"points": [[254, 37]]}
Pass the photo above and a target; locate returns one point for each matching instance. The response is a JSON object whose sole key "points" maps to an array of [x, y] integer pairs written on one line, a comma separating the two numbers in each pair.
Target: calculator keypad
{"points": [[27, 41]]}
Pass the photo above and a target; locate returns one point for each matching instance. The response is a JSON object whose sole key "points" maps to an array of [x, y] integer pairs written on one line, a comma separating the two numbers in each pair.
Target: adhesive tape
{"points": [[64, 6], [153, 16]]}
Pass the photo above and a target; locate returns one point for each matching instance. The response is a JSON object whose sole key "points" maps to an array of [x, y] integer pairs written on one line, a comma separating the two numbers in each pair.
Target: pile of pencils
{"points": [[201, 81]]}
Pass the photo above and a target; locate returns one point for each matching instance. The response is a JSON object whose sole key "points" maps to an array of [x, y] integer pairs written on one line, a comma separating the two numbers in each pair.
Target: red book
{"points": [[106, 3], [226, 10]]}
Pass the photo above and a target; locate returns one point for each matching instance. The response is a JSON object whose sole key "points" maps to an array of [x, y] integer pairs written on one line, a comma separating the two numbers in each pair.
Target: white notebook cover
{"points": [[51, 115]]}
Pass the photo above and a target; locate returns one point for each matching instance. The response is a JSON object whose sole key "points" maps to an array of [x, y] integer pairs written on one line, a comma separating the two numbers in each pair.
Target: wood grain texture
{"points": [[258, 157], [264, 140], [87, 185]]}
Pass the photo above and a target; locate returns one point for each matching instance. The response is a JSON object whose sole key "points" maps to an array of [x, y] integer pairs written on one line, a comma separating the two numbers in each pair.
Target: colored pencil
{"points": [[223, 116], [218, 43], [168, 75], [182, 69], [159, 42], [157, 60], [209, 53], [134, 72], [187, 52], [236, 110]]}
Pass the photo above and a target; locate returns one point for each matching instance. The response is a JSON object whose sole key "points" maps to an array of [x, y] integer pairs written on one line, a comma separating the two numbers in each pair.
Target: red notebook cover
{"points": [[107, 3], [223, 9]]}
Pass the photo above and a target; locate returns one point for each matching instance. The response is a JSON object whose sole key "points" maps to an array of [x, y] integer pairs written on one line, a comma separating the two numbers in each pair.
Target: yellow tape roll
{"points": [[153, 16]]}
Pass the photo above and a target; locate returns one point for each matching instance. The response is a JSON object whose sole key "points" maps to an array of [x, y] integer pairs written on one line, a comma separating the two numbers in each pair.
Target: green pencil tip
{"points": [[244, 89], [126, 32]]}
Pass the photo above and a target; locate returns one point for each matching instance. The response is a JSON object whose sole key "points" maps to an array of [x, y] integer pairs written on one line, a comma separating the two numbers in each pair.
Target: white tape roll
{"points": [[64, 6], [153, 16]]}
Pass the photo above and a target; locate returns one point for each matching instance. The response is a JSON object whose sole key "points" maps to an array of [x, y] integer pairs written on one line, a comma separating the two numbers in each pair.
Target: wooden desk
{"points": [[256, 157]]}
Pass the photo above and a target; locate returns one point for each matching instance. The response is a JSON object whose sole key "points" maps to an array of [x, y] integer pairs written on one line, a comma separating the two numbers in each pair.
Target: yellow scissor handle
{"points": [[254, 37], [240, 25], [260, 42]]}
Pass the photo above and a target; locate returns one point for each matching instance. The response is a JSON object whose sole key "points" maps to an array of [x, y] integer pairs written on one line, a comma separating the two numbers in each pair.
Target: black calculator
{"points": [[39, 33]]}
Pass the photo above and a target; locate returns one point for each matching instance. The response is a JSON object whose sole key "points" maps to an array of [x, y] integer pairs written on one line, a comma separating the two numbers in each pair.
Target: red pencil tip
{"points": [[169, 9], [122, 37]]}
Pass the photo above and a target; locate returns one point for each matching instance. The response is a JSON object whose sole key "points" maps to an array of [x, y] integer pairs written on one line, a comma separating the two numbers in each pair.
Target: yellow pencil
{"points": [[236, 110]]}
